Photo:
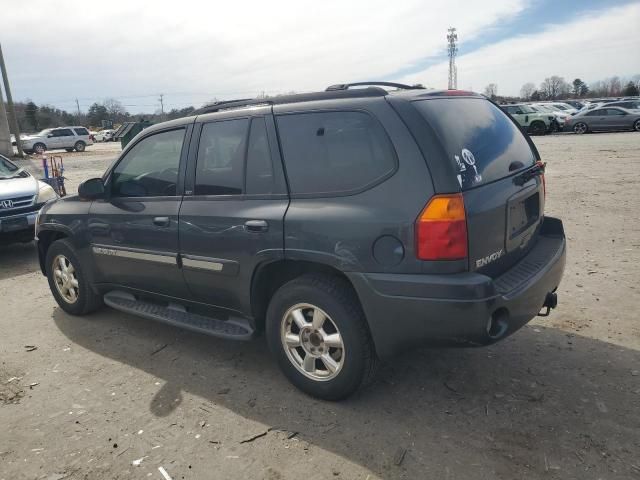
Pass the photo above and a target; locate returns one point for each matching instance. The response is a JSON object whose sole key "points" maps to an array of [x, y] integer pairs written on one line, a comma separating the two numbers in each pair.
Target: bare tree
{"points": [[615, 86], [491, 90], [115, 109], [554, 87], [526, 90]]}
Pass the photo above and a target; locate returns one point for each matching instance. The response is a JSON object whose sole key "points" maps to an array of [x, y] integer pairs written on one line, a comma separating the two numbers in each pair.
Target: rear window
{"points": [[482, 143], [334, 152]]}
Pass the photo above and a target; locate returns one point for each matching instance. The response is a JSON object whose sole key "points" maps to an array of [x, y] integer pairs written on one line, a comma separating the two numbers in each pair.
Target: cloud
{"points": [[591, 47], [66, 49]]}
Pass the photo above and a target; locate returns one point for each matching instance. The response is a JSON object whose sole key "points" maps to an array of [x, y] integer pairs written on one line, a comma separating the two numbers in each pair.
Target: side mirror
{"points": [[91, 189]]}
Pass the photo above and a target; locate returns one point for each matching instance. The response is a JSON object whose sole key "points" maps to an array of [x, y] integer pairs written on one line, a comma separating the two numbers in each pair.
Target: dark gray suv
{"points": [[347, 225]]}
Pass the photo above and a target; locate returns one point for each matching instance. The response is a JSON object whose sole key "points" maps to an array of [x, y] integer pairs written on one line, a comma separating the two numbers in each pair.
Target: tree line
{"points": [[33, 118], [556, 88]]}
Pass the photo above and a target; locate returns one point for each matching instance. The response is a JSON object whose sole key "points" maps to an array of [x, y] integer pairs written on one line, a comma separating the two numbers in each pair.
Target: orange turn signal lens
{"points": [[441, 229], [444, 207]]}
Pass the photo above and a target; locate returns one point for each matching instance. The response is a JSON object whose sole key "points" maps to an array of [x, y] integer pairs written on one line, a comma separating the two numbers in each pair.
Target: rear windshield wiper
{"points": [[524, 177]]}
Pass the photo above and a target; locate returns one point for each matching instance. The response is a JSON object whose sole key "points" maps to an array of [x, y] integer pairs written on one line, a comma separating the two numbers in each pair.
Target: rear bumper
{"points": [[405, 311]]}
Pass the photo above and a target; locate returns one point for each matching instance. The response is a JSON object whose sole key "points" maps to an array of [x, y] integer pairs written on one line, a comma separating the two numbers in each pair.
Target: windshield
{"points": [[44, 132], [561, 107], [481, 141], [7, 168]]}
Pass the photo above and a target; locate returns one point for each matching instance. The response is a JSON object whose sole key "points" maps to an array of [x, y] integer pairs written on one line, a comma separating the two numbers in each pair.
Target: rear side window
{"points": [[63, 132], [482, 143], [334, 152], [221, 154], [81, 131]]}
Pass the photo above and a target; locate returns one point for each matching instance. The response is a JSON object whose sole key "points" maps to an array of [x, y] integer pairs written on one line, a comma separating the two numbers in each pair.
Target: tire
{"points": [[39, 148], [580, 128], [354, 364], [636, 126], [84, 300], [69, 149], [537, 128], [79, 146]]}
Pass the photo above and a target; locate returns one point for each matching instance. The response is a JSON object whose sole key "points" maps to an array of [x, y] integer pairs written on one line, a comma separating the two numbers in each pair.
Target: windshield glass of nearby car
{"points": [[44, 133], [7, 168]]}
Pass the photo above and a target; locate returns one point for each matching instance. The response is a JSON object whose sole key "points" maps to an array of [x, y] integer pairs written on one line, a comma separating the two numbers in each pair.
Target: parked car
{"points": [[561, 107], [600, 119], [557, 124], [21, 196], [405, 218], [628, 104], [533, 122], [68, 138], [105, 136], [578, 105]]}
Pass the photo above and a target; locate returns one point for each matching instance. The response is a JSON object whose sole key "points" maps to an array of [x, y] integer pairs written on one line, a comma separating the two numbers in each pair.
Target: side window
{"points": [[614, 111], [221, 154], [81, 131], [596, 113], [334, 152], [260, 174], [63, 132], [150, 168]]}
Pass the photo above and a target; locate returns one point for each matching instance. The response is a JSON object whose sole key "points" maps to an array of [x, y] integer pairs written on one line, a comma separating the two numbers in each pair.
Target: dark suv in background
{"points": [[349, 225]]}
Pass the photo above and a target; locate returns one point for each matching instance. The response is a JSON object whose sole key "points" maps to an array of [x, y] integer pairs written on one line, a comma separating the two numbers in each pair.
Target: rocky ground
{"points": [[113, 396]]}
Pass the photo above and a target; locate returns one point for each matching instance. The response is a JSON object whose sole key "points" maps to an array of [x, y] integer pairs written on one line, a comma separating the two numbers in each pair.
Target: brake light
{"points": [[441, 229], [542, 165]]}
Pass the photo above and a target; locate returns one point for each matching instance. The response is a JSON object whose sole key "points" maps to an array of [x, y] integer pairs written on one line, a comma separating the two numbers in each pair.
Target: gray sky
{"points": [[195, 51]]}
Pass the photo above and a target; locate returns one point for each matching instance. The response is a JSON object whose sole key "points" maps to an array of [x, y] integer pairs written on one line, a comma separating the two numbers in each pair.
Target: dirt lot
{"points": [[112, 396]]}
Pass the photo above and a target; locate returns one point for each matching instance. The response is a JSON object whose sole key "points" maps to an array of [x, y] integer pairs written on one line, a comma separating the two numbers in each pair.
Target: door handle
{"points": [[161, 221], [256, 226]]}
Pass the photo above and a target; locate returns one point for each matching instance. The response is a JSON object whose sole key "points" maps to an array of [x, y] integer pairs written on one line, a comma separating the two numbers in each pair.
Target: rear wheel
{"points": [[39, 148], [80, 146], [636, 126], [580, 128], [67, 280], [537, 128], [318, 333]]}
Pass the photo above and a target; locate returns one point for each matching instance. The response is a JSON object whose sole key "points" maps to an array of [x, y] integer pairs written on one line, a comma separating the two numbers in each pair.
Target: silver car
{"points": [[68, 138], [602, 119], [21, 197]]}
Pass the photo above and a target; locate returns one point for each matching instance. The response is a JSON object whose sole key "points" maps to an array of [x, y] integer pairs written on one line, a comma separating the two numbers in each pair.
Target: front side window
{"points": [[221, 154], [596, 113], [150, 168], [334, 152]]}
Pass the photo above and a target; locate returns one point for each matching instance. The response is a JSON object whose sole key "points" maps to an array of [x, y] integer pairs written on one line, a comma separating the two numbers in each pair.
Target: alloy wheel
{"points": [[580, 128], [66, 281], [312, 342]]}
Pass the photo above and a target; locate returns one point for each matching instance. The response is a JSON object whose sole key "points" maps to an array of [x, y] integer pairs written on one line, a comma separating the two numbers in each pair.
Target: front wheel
{"points": [[79, 146], [68, 281], [318, 333], [580, 128], [636, 126]]}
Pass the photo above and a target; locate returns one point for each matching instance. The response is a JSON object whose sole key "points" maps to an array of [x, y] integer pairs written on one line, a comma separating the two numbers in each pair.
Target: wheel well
{"points": [[270, 277], [45, 239]]}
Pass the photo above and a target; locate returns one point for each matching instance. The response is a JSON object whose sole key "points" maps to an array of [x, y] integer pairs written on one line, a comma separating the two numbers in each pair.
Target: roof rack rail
{"points": [[346, 86], [293, 98]]}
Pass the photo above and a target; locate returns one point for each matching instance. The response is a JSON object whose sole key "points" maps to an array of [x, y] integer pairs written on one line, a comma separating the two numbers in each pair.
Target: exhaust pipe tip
{"points": [[498, 324]]}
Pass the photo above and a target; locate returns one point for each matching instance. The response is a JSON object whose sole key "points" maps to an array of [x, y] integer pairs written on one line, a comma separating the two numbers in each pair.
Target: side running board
{"points": [[176, 315]]}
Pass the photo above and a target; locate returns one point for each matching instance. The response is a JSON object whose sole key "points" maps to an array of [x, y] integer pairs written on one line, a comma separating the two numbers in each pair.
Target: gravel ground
{"points": [[113, 396]]}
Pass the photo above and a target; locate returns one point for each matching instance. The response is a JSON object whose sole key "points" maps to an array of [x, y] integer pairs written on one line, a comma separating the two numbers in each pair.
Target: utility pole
{"points": [[78, 107], [6, 148], [452, 39], [12, 113], [161, 103]]}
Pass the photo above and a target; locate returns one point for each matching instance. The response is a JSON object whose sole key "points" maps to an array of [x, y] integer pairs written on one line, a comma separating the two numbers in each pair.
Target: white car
{"points": [[67, 138], [560, 115], [562, 107], [104, 135]]}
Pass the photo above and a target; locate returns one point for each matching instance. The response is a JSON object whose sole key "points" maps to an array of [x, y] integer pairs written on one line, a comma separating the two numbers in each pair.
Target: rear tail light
{"points": [[441, 229], [542, 165]]}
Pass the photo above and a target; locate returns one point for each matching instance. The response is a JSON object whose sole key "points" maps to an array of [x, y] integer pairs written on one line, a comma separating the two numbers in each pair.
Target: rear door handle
{"points": [[161, 221], [256, 226]]}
